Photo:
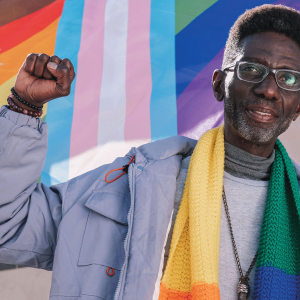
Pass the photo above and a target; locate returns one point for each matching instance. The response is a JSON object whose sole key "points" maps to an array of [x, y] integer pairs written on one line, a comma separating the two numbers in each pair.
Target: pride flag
{"points": [[143, 71]]}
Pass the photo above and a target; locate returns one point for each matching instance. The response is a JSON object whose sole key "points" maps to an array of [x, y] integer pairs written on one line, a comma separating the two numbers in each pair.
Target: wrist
{"points": [[18, 106], [29, 105]]}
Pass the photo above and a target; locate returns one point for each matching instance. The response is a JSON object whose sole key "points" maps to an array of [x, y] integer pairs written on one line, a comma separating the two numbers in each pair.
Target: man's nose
{"points": [[268, 88]]}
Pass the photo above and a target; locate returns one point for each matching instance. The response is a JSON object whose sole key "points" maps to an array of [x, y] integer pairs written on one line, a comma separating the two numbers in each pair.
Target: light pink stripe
{"points": [[138, 71], [89, 75]]}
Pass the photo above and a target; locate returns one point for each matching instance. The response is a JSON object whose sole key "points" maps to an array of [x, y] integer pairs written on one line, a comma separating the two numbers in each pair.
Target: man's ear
{"points": [[218, 84], [297, 112]]}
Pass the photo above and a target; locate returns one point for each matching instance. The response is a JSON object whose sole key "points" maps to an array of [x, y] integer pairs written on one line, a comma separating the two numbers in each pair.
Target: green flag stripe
{"points": [[187, 10]]}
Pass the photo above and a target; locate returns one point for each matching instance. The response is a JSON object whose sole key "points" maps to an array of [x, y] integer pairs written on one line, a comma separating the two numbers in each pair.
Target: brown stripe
{"points": [[11, 10]]}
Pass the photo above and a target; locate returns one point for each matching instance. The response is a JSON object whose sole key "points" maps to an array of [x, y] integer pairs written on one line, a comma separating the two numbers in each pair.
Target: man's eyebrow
{"points": [[254, 59], [293, 66]]}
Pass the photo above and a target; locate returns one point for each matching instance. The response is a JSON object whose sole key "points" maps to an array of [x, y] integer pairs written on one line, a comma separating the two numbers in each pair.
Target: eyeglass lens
{"points": [[253, 72]]}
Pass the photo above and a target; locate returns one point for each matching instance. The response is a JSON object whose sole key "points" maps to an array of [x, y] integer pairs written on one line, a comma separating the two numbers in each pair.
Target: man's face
{"points": [[260, 112]]}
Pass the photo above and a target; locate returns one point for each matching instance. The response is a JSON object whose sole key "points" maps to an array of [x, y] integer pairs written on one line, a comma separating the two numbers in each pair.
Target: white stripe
{"points": [[157, 284], [112, 108], [101, 155]]}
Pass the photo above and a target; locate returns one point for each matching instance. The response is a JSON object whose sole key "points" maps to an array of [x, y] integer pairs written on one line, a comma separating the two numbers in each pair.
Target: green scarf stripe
{"points": [[280, 233], [291, 175]]}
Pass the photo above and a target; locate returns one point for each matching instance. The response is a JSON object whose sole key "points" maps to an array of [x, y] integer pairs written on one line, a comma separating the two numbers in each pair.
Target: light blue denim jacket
{"points": [[82, 227]]}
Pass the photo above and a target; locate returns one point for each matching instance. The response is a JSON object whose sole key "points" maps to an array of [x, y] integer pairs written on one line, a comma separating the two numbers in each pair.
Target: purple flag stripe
{"points": [[291, 3], [197, 108]]}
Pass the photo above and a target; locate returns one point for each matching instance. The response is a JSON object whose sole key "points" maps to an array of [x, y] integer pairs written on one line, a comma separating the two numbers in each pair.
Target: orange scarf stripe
{"points": [[200, 290], [166, 293]]}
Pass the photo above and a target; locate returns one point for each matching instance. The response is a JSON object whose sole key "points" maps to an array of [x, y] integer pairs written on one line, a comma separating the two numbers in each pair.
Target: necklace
{"points": [[244, 286]]}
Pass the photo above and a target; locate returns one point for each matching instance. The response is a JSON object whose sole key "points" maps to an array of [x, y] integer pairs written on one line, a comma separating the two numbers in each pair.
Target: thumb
{"points": [[52, 66], [62, 75]]}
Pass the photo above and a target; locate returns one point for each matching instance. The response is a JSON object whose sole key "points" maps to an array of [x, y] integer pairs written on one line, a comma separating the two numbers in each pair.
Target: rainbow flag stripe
{"points": [[143, 71]]}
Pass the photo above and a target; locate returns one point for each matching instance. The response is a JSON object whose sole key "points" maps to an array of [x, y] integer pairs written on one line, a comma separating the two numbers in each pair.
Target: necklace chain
{"points": [[234, 245]]}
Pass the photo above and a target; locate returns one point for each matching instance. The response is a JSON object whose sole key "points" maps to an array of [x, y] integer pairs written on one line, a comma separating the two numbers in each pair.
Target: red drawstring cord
{"points": [[125, 168], [112, 273]]}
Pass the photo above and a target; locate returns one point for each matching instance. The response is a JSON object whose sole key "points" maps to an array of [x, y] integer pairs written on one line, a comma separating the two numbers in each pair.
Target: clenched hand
{"points": [[43, 78]]}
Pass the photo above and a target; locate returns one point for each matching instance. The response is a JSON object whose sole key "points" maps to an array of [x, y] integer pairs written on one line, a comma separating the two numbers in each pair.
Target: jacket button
{"points": [[140, 168]]}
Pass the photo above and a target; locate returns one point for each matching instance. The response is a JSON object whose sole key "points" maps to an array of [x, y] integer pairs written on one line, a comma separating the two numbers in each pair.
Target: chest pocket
{"points": [[103, 242]]}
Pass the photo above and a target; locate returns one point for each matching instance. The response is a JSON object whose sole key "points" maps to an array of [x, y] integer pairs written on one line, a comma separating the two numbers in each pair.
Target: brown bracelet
{"points": [[18, 109]]}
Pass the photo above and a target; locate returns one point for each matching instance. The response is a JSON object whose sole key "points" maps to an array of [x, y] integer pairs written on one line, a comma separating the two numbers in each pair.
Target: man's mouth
{"points": [[261, 114]]}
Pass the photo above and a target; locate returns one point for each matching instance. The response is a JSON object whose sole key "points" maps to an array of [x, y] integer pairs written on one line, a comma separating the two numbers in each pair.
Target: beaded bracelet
{"points": [[18, 109], [23, 101]]}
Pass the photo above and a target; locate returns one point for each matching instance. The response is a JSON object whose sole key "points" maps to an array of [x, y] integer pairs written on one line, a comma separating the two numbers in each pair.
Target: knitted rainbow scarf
{"points": [[192, 268]]}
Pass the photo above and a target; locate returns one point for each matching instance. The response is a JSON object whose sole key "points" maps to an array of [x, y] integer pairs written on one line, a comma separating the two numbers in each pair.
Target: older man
{"points": [[107, 234]]}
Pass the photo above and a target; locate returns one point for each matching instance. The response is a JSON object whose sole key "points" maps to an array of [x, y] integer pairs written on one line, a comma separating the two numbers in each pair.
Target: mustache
{"points": [[262, 102]]}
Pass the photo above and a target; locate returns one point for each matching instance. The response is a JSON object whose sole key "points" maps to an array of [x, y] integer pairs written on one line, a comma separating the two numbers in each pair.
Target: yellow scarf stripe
{"points": [[193, 263]]}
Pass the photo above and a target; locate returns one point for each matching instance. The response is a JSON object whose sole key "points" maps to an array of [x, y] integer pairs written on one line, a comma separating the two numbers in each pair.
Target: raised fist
{"points": [[43, 78]]}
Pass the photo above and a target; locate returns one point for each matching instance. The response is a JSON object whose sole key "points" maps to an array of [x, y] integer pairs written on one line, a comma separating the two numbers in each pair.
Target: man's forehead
{"points": [[274, 49]]}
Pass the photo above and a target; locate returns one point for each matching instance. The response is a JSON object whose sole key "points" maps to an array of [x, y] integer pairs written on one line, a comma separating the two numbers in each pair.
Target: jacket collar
{"points": [[162, 149], [175, 145]]}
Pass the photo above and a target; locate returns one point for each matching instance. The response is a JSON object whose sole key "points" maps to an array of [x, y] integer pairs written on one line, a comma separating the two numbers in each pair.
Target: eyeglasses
{"points": [[253, 72]]}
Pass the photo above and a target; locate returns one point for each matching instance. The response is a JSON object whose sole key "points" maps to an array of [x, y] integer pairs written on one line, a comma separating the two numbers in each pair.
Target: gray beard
{"points": [[235, 115]]}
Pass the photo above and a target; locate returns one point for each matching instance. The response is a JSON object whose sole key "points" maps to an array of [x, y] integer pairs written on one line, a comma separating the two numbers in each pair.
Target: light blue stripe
{"points": [[163, 109], [60, 111]]}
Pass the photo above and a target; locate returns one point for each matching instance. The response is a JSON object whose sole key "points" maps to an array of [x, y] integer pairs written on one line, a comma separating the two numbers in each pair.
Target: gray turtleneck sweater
{"points": [[242, 164], [246, 185]]}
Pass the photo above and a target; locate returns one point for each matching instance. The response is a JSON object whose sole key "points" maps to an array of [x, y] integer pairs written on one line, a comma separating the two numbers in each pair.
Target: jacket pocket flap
{"points": [[112, 205]]}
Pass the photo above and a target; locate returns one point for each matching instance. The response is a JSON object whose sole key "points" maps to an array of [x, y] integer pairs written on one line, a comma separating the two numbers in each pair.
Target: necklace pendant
{"points": [[243, 288]]}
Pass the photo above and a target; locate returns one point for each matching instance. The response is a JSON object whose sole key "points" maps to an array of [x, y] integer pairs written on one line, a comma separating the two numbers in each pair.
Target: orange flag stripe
{"points": [[22, 29], [42, 42]]}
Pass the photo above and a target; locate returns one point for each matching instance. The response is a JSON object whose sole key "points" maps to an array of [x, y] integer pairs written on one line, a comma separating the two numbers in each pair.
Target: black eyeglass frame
{"points": [[269, 70]]}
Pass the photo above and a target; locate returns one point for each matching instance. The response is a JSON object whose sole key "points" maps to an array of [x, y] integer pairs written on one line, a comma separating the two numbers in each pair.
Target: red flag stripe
{"points": [[22, 29]]}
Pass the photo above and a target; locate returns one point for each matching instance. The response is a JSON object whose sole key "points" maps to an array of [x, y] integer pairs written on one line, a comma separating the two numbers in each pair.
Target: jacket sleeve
{"points": [[30, 213]]}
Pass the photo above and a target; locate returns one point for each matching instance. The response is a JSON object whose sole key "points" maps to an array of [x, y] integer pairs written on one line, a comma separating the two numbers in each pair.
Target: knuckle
{"points": [[55, 58], [66, 62], [31, 56], [44, 57], [65, 70]]}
